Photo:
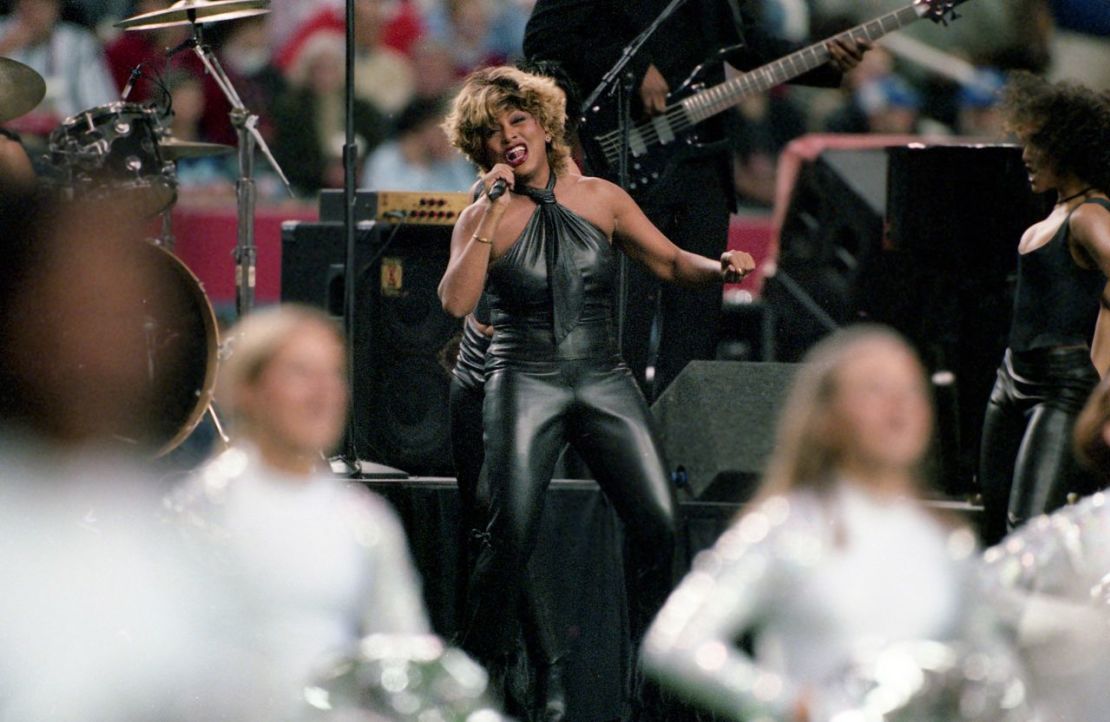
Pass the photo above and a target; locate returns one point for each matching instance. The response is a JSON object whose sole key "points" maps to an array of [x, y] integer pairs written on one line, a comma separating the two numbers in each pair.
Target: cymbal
{"points": [[174, 149], [185, 12], [21, 89]]}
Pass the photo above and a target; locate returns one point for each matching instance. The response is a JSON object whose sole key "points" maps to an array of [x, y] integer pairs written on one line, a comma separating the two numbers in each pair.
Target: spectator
{"points": [[1080, 50], [467, 28], [888, 105], [978, 113], [102, 12], [211, 173], [289, 18], [68, 57], [405, 26], [434, 70], [145, 50], [419, 157], [764, 124], [383, 75], [310, 118], [1002, 33], [244, 51]]}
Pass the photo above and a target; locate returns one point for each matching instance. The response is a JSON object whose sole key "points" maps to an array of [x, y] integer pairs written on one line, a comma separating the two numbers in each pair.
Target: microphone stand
{"points": [[350, 159], [246, 128], [622, 91]]}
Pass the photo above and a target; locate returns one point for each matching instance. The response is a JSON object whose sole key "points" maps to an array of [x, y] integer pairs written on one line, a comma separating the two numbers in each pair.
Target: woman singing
{"points": [[1057, 351], [836, 557], [545, 250]]}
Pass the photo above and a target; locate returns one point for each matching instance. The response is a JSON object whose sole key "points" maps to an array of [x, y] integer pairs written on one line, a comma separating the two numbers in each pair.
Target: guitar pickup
{"points": [[663, 129], [636, 143]]}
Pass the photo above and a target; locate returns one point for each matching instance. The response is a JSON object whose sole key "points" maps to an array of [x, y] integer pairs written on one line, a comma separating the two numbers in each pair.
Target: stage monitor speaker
{"points": [[717, 425], [404, 343], [922, 238], [831, 231]]}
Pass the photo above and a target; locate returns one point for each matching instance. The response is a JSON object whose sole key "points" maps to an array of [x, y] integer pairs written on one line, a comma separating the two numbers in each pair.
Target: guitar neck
{"points": [[727, 94]]}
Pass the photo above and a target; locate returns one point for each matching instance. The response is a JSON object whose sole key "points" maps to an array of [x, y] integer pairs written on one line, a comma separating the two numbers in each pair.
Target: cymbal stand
{"points": [[166, 238], [246, 128], [225, 440]]}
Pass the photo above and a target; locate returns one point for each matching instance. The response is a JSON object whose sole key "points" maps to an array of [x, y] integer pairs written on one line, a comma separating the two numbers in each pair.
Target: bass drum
{"points": [[182, 343]]}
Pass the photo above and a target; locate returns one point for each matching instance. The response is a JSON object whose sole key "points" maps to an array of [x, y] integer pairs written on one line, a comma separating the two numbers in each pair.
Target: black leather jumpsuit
{"points": [[555, 375]]}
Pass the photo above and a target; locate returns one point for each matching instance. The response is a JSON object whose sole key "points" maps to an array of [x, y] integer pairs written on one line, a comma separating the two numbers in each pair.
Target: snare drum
{"points": [[113, 149]]}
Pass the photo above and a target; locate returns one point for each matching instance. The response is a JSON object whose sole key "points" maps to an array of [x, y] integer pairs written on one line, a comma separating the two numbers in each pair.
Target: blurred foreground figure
{"points": [[1051, 578], [314, 563], [100, 618], [860, 599]]}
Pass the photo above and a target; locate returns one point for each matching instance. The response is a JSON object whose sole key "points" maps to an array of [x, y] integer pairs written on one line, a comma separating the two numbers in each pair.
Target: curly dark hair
{"points": [[1068, 122]]}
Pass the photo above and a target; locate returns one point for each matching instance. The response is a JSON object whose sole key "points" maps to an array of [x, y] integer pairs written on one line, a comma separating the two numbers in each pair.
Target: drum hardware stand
{"points": [[216, 424], [350, 456], [166, 238], [246, 129]]}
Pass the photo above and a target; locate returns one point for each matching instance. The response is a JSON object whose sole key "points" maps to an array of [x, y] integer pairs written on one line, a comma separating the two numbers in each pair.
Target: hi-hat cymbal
{"points": [[21, 89], [184, 12], [174, 149]]}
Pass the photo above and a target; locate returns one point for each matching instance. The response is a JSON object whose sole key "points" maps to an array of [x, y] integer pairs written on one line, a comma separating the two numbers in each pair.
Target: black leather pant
{"points": [[531, 410], [468, 450], [468, 453], [1026, 463]]}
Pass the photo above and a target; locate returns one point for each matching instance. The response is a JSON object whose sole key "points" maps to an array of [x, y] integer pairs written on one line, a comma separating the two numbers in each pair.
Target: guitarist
{"points": [[692, 205]]}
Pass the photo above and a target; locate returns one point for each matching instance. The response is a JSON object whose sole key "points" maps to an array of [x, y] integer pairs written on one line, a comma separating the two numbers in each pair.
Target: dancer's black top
{"points": [[1057, 300], [551, 293]]}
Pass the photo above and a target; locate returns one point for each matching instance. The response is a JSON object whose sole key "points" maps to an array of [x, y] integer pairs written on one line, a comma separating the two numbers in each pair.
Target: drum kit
{"points": [[123, 151]]}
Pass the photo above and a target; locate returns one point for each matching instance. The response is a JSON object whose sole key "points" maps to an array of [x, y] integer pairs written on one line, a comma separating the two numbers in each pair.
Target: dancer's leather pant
{"points": [[531, 410], [1026, 462]]}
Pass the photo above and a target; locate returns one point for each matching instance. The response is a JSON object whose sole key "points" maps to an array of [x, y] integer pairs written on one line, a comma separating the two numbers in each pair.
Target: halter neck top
{"points": [[551, 293]]}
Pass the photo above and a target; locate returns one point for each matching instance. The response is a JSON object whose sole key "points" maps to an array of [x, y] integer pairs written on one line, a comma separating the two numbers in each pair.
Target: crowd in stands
{"points": [[288, 66]]}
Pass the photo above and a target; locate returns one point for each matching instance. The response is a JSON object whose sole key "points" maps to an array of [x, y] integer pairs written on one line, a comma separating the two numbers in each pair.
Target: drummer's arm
{"points": [[15, 164]]}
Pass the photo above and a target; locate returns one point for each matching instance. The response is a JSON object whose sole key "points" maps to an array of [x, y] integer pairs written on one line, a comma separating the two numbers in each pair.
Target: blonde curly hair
{"points": [[487, 93]]}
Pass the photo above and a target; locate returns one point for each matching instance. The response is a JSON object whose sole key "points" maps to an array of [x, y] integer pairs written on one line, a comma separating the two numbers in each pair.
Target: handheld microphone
{"points": [[498, 189], [135, 75]]}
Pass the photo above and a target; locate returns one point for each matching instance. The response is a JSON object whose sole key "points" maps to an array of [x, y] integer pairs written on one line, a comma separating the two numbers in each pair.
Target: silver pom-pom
{"points": [[924, 681], [402, 678]]}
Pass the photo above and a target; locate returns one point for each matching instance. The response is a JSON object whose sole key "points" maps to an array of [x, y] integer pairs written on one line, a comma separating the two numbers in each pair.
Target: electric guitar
{"points": [[659, 144]]}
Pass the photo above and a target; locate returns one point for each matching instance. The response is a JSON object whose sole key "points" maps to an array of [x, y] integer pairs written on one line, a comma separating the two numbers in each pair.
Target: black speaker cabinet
{"points": [[922, 238], [404, 343], [717, 425]]}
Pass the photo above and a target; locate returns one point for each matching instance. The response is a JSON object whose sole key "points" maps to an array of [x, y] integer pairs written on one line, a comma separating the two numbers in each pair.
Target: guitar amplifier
{"points": [[427, 208], [404, 343]]}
